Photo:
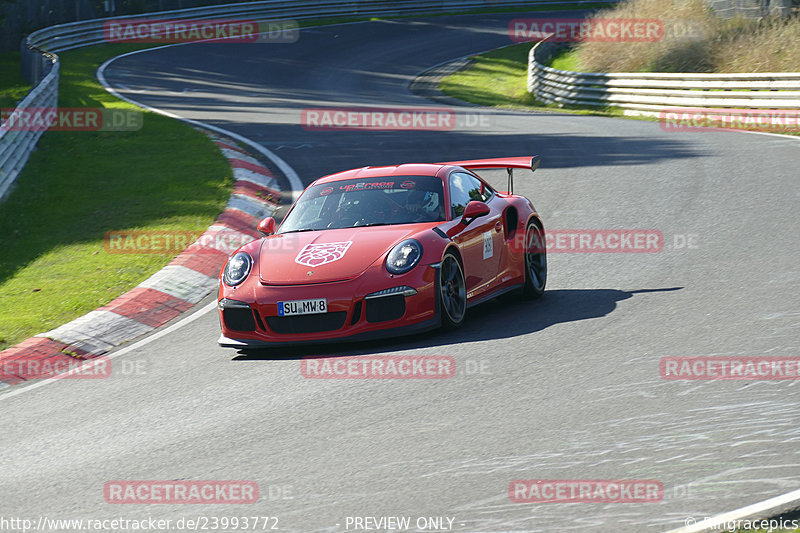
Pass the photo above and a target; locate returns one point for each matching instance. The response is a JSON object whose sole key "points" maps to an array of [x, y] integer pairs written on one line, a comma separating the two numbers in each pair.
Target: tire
{"points": [[535, 262], [452, 292]]}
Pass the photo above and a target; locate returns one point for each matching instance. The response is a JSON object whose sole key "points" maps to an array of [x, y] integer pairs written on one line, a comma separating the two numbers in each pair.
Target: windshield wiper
{"points": [[299, 230]]}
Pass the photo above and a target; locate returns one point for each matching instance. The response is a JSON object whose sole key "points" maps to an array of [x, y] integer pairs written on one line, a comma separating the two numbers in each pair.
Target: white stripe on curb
{"points": [[243, 174], [249, 205], [97, 331], [230, 233], [231, 154], [181, 282]]}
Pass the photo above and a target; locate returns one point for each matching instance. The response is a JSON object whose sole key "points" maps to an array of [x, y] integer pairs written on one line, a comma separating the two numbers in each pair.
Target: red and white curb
{"points": [[185, 281]]}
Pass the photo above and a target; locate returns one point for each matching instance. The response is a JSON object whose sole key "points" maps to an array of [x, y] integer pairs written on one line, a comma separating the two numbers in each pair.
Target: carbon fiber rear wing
{"points": [[508, 163]]}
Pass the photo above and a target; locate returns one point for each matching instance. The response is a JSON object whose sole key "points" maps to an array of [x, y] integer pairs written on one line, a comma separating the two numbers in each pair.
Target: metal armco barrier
{"points": [[40, 62], [16, 146], [650, 93]]}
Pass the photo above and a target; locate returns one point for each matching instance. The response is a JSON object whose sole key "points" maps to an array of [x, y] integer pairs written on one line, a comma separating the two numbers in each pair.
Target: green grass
{"points": [[567, 59], [13, 86], [79, 185], [499, 79], [496, 78]]}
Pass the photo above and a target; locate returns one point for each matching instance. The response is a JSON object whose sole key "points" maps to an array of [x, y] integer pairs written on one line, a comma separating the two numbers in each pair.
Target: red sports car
{"points": [[383, 251]]}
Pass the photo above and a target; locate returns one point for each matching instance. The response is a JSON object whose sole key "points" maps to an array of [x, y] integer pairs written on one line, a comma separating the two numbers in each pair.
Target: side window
{"points": [[464, 189]]}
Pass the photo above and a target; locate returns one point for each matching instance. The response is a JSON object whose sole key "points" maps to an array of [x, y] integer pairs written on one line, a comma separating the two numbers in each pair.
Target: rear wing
{"points": [[508, 163]]}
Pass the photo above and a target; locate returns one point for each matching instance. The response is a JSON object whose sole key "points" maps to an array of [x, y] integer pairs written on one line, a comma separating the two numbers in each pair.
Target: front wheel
{"points": [[535, 262], [452, 292]]}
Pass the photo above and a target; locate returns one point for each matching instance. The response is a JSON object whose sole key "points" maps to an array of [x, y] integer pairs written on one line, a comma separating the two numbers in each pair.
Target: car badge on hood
{"points": [[316, 254]]}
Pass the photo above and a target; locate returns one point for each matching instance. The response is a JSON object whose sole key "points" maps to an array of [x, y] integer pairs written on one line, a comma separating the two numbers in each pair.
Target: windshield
{"points": [[367, 202]]}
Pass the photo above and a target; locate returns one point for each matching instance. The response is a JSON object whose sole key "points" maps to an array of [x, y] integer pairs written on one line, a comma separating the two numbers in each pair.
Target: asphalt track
{"points": [[570, 385]]}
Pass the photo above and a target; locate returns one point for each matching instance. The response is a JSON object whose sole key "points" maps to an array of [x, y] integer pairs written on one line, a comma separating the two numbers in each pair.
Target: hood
{"points": [[331, 255]]}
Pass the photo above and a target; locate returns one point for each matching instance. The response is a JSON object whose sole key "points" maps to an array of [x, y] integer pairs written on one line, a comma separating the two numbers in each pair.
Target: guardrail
{"points": [[751, 8], [651, 93], [40, 62], [16, 146]]}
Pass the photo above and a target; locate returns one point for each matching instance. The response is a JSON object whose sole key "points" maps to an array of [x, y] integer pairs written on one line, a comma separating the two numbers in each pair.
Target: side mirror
{"points": [[474, 210], [267, 226]]}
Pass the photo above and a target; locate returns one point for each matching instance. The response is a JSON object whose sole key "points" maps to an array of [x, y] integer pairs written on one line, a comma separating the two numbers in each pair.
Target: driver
{"points": [[424, 204]]}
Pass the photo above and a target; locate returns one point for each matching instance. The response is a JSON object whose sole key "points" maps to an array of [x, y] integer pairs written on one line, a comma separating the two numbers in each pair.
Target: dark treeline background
{"points": [[20, 17]]}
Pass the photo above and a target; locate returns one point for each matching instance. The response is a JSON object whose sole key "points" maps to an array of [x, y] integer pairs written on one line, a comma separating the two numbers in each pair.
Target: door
{"points": [[482, 240]]}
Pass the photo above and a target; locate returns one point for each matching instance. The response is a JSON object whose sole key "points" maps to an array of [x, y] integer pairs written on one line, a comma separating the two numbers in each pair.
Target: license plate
{"points": [[303, 307]]}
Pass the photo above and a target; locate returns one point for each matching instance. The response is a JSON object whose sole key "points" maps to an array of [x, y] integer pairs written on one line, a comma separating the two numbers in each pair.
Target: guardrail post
{"points": [[532, 74], [780, 8]]}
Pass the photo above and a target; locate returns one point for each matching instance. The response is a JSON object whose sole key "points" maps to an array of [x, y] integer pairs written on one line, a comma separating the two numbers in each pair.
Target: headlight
{"points": [[237, 269], [404, 256]]}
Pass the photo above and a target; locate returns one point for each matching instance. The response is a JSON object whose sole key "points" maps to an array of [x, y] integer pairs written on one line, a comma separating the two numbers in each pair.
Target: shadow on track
{"points": [[488, 321]]}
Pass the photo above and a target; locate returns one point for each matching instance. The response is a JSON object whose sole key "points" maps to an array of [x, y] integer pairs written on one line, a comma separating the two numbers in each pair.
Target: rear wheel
{"points": [[452, 292], [535, 262]]}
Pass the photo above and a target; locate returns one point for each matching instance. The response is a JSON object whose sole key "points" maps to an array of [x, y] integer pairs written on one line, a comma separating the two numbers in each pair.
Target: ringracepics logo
{"points": [[568, 30], [730, 368], [715, 119], [379, 367], [362, 118], [70, 119], [585, 491], [183, 31], [180, 492]]}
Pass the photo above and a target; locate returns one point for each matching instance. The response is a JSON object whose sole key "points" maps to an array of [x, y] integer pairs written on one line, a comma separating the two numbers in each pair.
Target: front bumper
{"points": [[249, 315]]}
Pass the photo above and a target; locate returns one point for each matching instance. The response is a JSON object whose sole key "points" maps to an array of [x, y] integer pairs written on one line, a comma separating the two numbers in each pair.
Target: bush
{"points": [[695, 40]]}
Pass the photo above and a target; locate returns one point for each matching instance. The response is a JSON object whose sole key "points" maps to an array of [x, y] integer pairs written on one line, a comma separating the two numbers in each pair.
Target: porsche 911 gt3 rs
{"points": [[383, 251]]}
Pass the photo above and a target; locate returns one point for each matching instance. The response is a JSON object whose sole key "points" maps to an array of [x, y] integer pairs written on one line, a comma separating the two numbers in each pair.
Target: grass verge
{"points": [[499, 79], [79, 185]]}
